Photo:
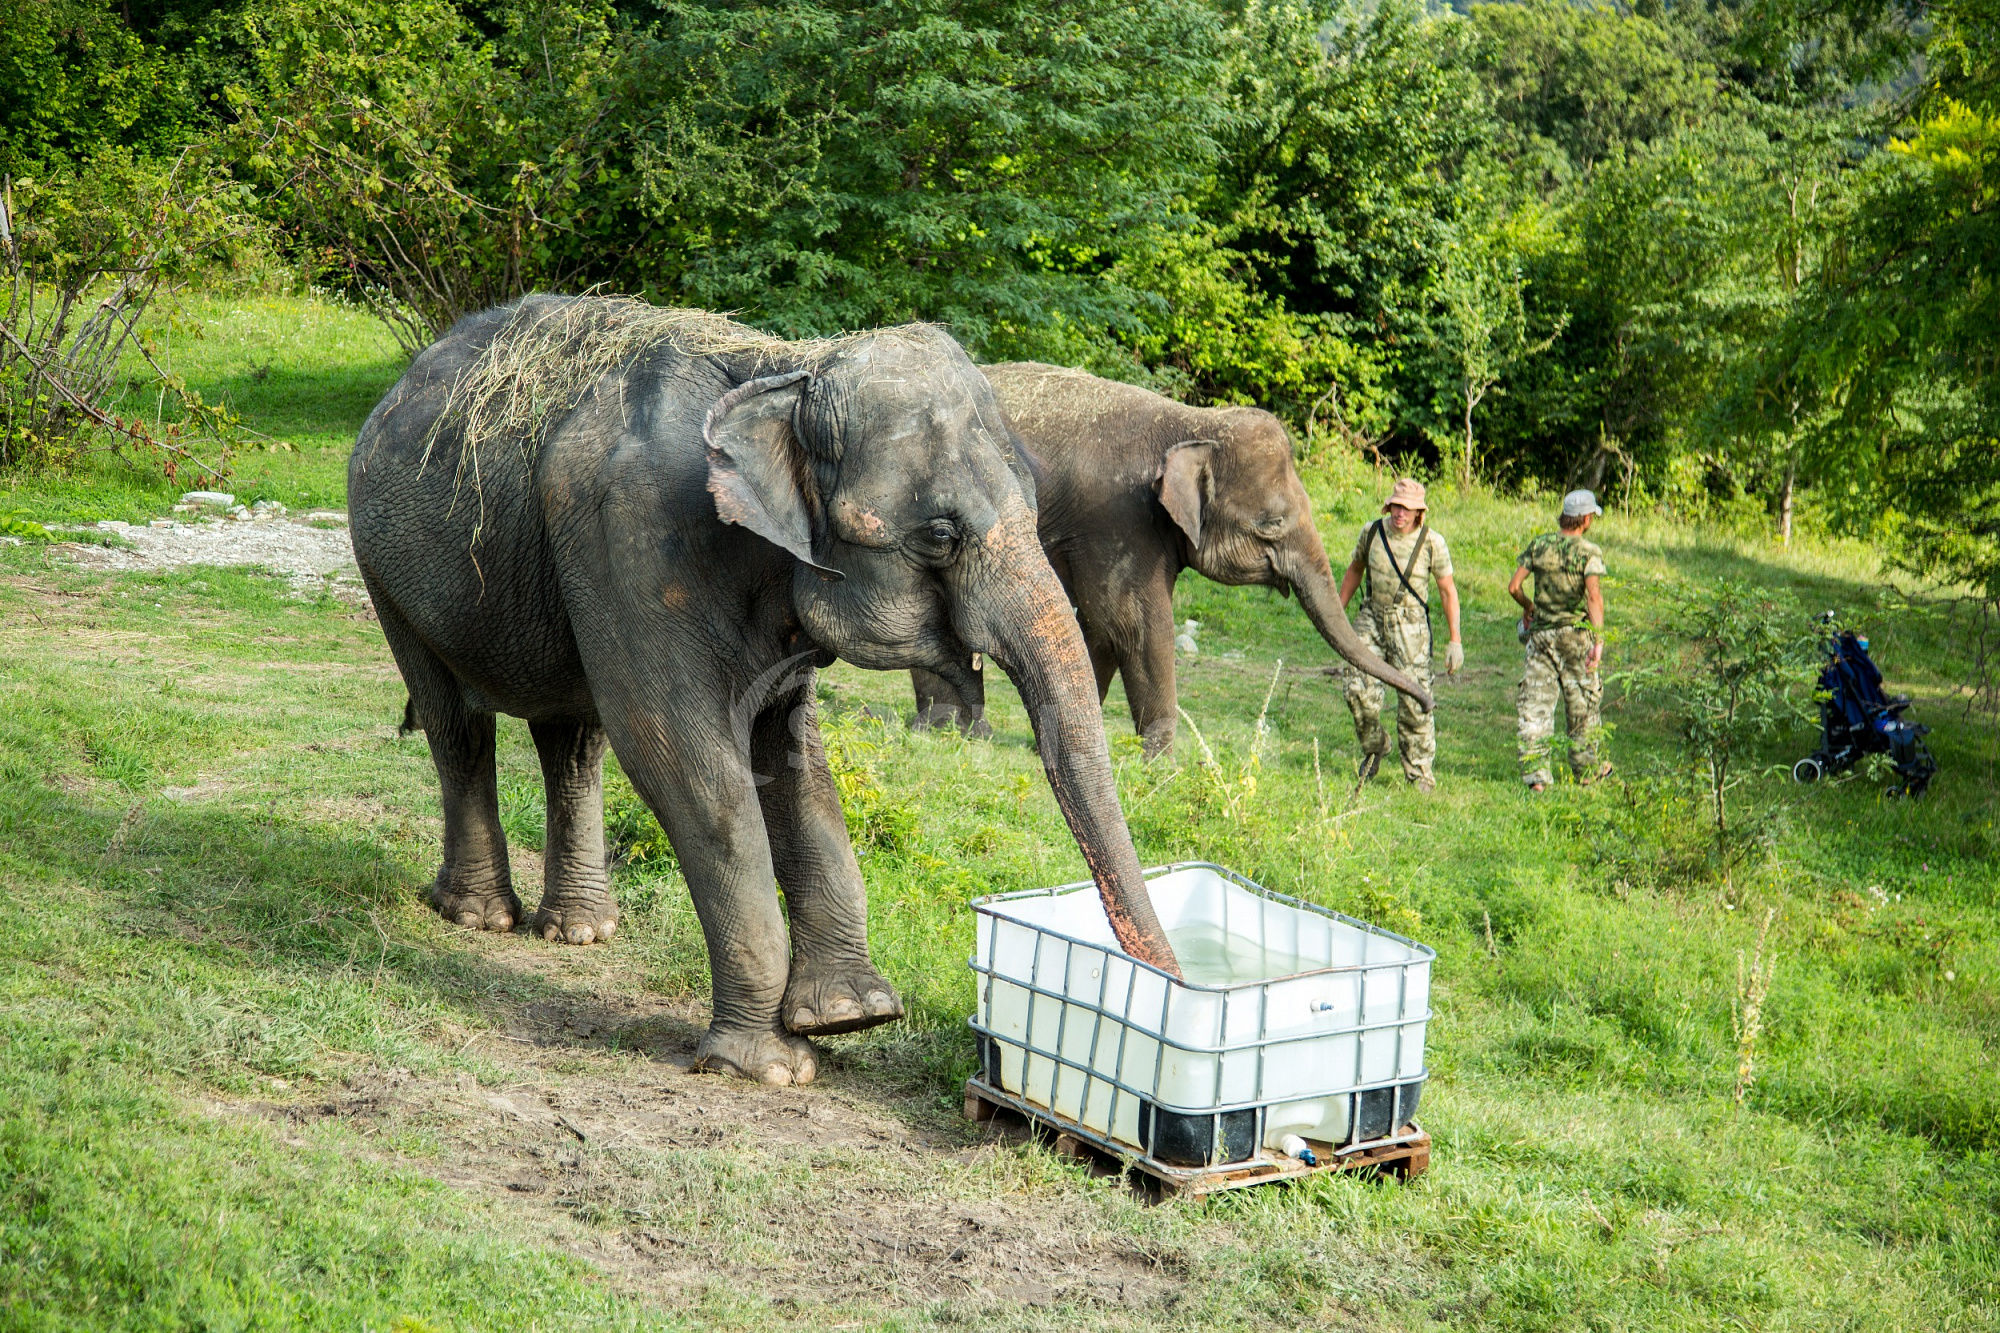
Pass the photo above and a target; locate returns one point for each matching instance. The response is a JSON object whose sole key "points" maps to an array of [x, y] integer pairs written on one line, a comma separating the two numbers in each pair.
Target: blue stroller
{"points": [[1856, 718]]}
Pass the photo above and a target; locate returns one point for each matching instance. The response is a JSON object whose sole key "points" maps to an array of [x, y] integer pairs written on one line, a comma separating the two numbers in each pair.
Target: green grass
{"points": [[213, 845], [303, 373]]}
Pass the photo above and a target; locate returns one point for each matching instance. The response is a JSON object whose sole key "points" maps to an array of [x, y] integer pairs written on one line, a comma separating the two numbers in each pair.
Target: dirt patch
{"points": [[588, 1127], [310, 555], [204, 789]]}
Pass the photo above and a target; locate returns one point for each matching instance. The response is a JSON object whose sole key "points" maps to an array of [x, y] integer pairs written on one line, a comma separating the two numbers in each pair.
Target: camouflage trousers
{"points": [[1403, 640], [1558, 667]]}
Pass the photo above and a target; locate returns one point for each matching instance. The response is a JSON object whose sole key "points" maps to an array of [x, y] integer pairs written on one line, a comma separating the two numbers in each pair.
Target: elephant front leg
{"points": [[940, 703], [577, 905], [833, 984], [705, 800]]}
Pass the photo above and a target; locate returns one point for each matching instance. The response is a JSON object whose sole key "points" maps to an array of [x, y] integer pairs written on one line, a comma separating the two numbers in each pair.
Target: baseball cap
{"points": [[1578, 503]]}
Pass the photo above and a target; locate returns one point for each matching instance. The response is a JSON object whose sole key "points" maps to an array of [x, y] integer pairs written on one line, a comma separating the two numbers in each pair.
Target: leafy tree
{"points": [[1888, 358], [1892, 356], [1014, 172], [1573, 85], [86, 252], [433, 169], [1344, 172], [983, 163], [1482, 330], [75, 80]]}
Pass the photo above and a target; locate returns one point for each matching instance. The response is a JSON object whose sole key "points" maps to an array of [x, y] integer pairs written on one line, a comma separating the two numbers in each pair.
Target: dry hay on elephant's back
{"points": [[1034, 388], [553, 349]]}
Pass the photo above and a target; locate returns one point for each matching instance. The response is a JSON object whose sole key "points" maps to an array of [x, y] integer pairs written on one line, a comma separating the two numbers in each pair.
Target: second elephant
{"points": [[1135, 488]]}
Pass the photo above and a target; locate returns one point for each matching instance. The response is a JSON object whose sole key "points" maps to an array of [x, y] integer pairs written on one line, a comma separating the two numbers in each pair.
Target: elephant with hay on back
{"points": [[646, 528], [1135, 488]]}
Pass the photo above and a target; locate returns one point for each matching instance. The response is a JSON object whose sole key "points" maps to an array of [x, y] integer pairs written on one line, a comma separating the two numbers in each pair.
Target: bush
{"points": [[1737, 665], [87, 251], [421, 166]]}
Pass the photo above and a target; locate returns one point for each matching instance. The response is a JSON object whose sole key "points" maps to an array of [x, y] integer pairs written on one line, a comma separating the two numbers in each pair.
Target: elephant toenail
{"points": [[804, 1018], [778, 1076], [880, 1003], [580, 934], [502, 923], [552, 933], [606, 929], [469, 918]]}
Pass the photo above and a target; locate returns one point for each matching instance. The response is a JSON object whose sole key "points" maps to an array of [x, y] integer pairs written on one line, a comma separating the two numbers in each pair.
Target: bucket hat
{"points": [[1409, 493]]}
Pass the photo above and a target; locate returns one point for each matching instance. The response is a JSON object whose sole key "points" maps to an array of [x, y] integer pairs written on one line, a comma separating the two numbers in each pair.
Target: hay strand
{"points": [[549, 353]]}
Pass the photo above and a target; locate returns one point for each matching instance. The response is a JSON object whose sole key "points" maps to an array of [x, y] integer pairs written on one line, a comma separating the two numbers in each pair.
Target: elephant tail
{"points": [[410, 722]]}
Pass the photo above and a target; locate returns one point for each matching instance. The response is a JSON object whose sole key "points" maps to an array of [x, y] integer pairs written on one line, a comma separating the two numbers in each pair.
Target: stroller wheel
{"points": [[1808, 770]]}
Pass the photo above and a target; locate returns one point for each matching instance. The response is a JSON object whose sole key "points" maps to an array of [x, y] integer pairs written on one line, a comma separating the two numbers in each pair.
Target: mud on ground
{"points": [[586, 1126]]}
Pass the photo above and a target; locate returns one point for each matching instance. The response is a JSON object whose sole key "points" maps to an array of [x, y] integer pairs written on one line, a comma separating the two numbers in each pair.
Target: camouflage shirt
{"points": [[1420, 564], [1560, 563]]}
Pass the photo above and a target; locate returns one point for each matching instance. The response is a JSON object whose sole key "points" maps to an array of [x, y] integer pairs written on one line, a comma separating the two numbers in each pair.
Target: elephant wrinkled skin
{"points": [[1135, 488], [659, 566]]}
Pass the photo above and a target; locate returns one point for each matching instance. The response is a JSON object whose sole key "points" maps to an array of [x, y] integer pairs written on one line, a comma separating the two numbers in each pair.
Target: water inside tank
{"points": [[1211, 956]]}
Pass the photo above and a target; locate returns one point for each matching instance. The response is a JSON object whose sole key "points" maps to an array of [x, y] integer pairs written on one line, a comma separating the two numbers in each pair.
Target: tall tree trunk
{"points": [[1785, 503], [1465, 470]]}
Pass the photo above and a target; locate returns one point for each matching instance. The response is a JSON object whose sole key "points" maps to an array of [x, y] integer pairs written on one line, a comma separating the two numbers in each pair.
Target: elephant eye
{"points": [[936, 541]]}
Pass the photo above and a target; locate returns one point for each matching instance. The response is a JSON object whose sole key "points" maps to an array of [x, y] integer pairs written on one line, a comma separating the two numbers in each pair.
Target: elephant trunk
{"points": [[1312, 577], [1032, 633]]}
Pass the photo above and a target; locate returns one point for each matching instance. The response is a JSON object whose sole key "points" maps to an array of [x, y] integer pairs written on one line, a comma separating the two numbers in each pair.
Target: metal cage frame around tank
{"points": [[1092, 1075]]}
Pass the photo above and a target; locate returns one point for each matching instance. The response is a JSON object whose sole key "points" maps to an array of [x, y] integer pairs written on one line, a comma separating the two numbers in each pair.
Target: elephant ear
{"points": [[1184, 484], [757, 470]]}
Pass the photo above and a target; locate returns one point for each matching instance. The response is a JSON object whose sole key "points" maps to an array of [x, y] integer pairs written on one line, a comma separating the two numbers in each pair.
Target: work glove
{"points": [[1454, 657]]}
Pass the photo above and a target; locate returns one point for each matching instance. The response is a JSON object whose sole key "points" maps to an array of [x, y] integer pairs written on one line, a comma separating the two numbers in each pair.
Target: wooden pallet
{"points": [[1406, 1154]]}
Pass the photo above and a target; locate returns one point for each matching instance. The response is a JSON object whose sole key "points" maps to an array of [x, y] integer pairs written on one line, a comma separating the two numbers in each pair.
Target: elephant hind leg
{"points": [[474, 886], [577, 906]]}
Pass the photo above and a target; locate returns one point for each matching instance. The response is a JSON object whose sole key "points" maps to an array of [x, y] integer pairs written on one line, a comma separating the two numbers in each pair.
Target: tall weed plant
{"points": [[1734, 665]]}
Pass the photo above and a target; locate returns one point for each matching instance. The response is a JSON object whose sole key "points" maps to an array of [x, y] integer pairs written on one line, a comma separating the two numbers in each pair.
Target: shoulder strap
{"points": [[1401, 577]]}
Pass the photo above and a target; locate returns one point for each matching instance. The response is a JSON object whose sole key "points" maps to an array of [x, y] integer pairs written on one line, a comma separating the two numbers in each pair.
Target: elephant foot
{"points": [[775, 1058], [821, 1003], [1157, 741], [938, 717], [935, 718], [477, 909], [577, 919]]}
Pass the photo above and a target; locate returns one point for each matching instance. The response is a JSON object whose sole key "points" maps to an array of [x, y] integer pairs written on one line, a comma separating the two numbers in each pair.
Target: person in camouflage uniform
{"points": [[1563, 628], [1400, 555]]}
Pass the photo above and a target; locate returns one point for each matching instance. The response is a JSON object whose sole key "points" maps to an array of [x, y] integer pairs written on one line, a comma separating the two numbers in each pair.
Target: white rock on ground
{"points": [[307, 555]]}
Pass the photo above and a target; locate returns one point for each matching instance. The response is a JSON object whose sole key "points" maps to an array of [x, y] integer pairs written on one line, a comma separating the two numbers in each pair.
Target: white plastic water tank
{"points": [[1290, 1019]]}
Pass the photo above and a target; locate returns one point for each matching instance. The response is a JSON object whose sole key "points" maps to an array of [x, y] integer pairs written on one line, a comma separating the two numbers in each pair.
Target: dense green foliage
{"points": [[1697, 253]]}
